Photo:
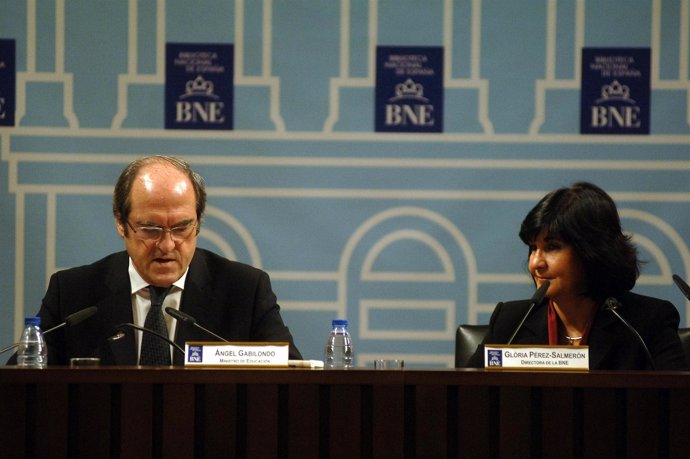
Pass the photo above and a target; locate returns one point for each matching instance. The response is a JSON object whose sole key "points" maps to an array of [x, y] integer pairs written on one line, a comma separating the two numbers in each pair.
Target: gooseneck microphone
{"points": [[120, 334], [70, 320], [189, 320], [75, 318], [612, 304], [536, 299], [680, 283]]}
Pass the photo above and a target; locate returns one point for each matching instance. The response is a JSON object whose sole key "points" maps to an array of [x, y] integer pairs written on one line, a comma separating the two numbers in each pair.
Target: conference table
{"points": [[171, 412]]}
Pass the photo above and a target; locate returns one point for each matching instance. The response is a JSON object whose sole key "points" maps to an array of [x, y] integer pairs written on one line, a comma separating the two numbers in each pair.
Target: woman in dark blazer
{"points": [[576, 243]]}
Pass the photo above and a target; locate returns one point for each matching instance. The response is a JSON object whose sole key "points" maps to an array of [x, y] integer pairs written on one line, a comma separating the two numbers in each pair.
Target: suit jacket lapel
{"points": [[196, 301], [535, 329], [602, 337], [116, 308]]}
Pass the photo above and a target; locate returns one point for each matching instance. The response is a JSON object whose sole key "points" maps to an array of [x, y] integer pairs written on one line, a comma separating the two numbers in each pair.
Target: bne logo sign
{"points": [[494, 358], [404, 115], [204, 112], [7, 82], [615, 91], [416, 112], [625, 114], [199, 90], [409, 89], [195, 354], [202, 104], [624, 117]]}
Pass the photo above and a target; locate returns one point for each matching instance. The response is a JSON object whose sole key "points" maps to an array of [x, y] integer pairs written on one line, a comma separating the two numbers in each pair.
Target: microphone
{"points": [[189, 320], [612, 304], [685, 288], [536, 299], [70, 320], [120, 334]]}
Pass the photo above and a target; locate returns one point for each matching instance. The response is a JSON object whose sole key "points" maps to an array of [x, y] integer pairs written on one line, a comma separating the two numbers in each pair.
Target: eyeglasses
{"points": [[153, 234]]}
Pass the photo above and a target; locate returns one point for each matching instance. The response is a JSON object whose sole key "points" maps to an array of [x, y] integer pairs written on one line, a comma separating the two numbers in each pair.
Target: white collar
{"points": [[138, 283]]}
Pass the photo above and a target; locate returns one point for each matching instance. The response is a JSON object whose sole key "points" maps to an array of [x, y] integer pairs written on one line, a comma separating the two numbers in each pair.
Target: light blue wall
{"points": [[404, 235]]}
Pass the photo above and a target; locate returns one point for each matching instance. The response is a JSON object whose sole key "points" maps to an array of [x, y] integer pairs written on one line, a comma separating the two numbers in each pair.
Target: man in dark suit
{"points": [[158, 203]]}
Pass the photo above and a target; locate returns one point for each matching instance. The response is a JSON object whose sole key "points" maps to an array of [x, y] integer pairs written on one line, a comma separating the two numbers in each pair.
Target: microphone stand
{"points": [[536, 299], [612, 304], [146, 330], [187, 319]]}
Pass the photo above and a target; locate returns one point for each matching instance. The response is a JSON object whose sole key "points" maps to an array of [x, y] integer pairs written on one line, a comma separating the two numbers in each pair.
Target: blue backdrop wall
{"points": [[404, 234]]}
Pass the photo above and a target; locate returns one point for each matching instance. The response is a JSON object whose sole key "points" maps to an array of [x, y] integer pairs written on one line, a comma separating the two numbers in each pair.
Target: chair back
{"points": [[467, 338]]}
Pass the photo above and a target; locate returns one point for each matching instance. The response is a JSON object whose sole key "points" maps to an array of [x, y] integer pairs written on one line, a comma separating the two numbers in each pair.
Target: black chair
{"points": [[467, 338]]}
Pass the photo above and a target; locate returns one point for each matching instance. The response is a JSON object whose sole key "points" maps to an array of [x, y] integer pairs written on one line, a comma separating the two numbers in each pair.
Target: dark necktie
{"points": [[155, 351]]}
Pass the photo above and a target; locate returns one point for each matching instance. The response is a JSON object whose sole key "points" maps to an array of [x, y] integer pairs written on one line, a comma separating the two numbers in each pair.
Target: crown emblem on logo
{"points": [[615, 91], [409, 90], [199, 87]]}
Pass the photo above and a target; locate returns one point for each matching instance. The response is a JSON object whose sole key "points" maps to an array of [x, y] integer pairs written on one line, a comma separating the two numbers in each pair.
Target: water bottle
{"points": [[339, 346], [32, 351]]}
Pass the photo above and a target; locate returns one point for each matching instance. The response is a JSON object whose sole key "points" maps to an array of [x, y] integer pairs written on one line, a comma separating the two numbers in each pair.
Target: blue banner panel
{"points": [[615, 91], [7, 82], [409, 89], [199, 86]]}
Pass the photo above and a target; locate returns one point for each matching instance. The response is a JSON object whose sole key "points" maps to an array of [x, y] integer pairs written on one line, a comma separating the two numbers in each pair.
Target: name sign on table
{"points": [[558, 358], [216, 354]]}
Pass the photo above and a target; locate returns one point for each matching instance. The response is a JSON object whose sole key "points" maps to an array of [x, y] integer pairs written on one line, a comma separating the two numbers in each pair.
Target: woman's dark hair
{"points": [[585, 217], [121, 195]]}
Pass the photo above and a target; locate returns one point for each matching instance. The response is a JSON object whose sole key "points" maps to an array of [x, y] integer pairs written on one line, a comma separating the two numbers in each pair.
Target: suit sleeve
{"points": [[268, 325], [665, 345]]}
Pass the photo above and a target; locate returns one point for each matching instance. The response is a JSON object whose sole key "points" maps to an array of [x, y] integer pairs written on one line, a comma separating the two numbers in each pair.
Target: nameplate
{"points": [[528, 357], [218, 354]]}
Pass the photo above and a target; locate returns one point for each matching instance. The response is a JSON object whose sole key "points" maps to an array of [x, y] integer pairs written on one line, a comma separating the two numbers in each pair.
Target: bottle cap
{"points": [[339, 323], [35, 321]]}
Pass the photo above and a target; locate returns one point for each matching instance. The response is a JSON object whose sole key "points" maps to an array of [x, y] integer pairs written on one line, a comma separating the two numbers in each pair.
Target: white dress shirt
{"points": [[141, 302]]}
